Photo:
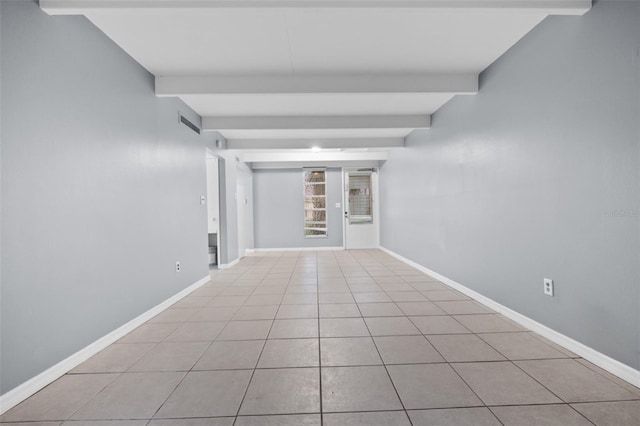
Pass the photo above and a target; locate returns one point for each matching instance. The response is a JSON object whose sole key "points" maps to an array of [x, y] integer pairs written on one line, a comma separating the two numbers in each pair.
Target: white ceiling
{"points": [[195, 48]]}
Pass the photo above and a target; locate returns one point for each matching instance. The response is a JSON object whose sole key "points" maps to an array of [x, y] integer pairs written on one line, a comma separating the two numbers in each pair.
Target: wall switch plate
{"points": [[548, 287], [178, 266], [202, 199], [338, 205]]}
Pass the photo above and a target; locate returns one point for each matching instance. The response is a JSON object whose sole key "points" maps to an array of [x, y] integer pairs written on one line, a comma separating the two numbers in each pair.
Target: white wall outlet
{"points": [[548, 287], [338, 205], [178, 266], [203, 199]]}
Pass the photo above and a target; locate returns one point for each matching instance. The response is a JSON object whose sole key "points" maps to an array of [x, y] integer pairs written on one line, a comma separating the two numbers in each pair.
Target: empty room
{"points": [[319, 212]]}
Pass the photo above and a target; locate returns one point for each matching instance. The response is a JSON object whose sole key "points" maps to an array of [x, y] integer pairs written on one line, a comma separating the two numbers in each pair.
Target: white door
{"points": [[241, 200], [361, 221]]}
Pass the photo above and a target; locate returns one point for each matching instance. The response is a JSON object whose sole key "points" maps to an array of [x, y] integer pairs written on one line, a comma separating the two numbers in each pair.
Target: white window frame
{"points": [[304, 206]]}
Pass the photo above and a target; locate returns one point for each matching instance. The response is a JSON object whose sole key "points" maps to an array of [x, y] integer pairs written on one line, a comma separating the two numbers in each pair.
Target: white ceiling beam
{"points": [[549, 7], [317, 122], [296, 157], [317, 84], [333, 143]]}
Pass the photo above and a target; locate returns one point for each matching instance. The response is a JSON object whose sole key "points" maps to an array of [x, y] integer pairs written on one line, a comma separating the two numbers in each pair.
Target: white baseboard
{"points": [[33, 385], [228, 265], [603, 361], [257, 250]]}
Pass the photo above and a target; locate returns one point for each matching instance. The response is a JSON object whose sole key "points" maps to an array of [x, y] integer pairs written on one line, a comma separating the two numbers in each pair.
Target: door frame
{"points": [[211, 155], [375, 201]]}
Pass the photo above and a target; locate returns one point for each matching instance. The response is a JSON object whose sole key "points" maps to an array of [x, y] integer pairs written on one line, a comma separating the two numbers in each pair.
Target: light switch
{"points": [[202, 199], [337, 205]]}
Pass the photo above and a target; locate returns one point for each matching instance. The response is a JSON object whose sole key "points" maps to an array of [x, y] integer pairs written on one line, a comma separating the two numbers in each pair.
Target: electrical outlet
{"points": [[548, 287], [203, 200], [178, 266]]}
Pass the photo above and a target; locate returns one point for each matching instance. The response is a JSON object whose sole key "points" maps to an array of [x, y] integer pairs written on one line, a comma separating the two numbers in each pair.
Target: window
{"points": [[315, 203], [360, 202]]}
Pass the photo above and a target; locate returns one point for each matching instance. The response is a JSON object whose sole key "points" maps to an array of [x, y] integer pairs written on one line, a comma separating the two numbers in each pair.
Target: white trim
{"points": [[298, 249], [603, 361], [33, 385], [550, 7], [228, 265]]}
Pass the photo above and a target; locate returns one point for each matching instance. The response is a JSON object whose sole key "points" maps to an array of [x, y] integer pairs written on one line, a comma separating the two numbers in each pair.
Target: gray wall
{"points": [[100, 190], [537, 176], [279, 209]]}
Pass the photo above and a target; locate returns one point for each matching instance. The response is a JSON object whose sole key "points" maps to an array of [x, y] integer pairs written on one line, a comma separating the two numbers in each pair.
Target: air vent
{"points": [[184, 120]]}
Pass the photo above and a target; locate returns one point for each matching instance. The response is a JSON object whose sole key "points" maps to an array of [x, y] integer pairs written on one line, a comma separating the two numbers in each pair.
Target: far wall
{"points": [[279, 209]]}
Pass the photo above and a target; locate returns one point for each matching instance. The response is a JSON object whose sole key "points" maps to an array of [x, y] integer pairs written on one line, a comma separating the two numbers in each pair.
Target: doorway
{"points": [[241, 198], [361, 218], [213, 210]]}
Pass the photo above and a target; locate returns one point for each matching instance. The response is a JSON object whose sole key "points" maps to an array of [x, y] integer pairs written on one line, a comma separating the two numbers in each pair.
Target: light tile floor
{"points": [[331, 338]]}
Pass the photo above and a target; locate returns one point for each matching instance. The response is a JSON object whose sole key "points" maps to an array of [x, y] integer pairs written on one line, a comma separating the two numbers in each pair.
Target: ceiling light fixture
{"points": [[315, 149]]}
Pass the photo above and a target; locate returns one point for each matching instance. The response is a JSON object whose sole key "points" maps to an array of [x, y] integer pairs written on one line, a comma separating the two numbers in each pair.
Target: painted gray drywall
{"points": [[279, 209], [537, 176], [100, 190]]}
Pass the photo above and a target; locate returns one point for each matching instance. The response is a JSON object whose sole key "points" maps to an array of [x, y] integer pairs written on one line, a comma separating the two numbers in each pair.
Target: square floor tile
{"points": [[429, 286], [343, 327], [150, 333], [380, 418], [193, 302], [521, 346], [611, 413], [478, 416], [116, 358], [365, 288], [171, 356], [131, 396], [300, 299], [216, 313], [407, 350], [207, 394], [406, 296], [263, 300], [438, 325], [347, 351], [431, 386], [444, 295], [573, 382], [540, 415], [391, 326], [420, 308], [217, 421], [297, 311], [294, 328], [60, 399], [280, 353], [487, 323], [464, 348], [335, 298], [231, 355], [231, 301], [97, 423], [264, 312], [174, 315], [197, 332], [357, 389], [245, 330], [418, 278], [236, 291], [270, 289], [380, 310], [463, 307], [282, 420], [502, 383], [302, 289], [371, 297], [283, 391], [342, 310]]}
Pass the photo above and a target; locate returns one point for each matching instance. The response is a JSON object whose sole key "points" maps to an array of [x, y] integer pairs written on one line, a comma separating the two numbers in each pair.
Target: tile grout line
{"points": [[406, 413]]}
